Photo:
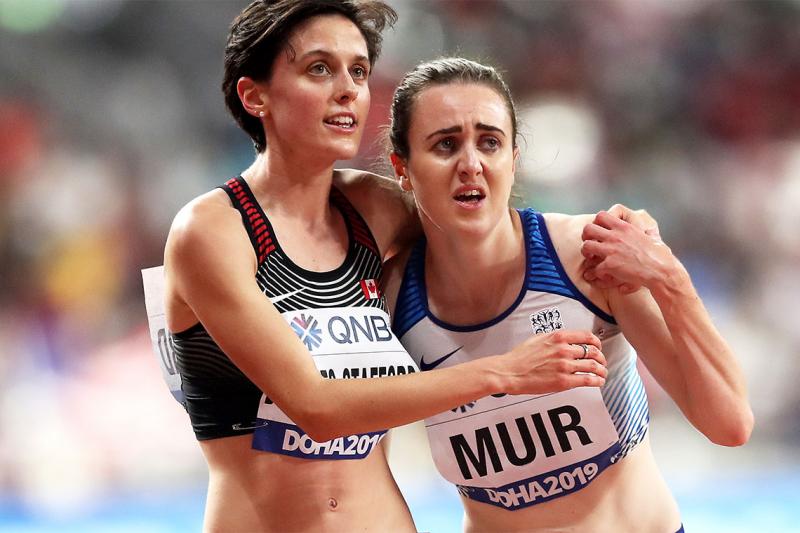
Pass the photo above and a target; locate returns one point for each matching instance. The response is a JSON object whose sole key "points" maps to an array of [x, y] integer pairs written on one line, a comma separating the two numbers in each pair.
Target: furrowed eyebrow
{"points": [[487, 127], [445, 131], [457, 129]]}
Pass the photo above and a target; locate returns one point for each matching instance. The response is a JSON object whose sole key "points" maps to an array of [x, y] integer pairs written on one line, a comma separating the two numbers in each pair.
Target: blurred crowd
{"points": [[111, 118]]}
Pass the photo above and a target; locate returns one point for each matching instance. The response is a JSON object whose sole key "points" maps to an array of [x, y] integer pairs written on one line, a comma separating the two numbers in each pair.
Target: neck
{"points": [[289, 187], [483, 273]]}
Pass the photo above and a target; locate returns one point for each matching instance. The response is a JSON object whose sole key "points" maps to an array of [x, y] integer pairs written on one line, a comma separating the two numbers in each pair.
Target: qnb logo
{"points": [[307, 330], [464, 408]]}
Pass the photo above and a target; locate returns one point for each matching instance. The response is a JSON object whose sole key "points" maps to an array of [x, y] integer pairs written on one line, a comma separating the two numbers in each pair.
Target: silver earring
{"points": [[261, 114]]}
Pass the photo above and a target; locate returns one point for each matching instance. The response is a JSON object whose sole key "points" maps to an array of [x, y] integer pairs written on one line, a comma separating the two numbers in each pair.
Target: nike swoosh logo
{"points": [[429, 366], [278, 298]]}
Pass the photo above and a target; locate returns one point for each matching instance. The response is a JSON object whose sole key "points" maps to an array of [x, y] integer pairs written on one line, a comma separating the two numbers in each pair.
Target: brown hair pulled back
{"points": [[442, 71]]}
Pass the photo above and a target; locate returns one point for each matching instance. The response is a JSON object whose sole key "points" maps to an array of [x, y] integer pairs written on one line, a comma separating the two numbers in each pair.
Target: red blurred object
{"points": [[20, 138]]}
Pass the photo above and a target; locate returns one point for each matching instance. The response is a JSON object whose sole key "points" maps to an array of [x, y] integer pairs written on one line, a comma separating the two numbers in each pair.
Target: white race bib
{"points": [[345, 343], [497, 441], [153, 280]]}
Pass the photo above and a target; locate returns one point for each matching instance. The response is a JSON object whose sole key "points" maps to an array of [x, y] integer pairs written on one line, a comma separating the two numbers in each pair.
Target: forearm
{"points": [[346, 406], [714, 390]]}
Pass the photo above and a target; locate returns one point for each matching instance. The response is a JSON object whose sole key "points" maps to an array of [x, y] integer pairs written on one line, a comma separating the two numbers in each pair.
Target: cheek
{"points": [[361, 107]]}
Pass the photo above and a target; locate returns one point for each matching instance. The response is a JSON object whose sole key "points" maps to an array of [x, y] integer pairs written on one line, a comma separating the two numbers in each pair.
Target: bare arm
{"points": [[211, 266], [669, 326], [390, 213]]}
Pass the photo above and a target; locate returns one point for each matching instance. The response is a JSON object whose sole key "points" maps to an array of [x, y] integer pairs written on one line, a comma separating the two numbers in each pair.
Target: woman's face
{"points": [[317, 97], [461, 158]]}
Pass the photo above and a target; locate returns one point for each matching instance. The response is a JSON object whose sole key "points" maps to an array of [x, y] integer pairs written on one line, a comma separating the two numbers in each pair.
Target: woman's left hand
{"points": [[621, 255]]}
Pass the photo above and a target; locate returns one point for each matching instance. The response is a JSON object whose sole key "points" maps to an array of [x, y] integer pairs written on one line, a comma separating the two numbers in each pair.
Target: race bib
{"points": [[497, 444], [153, 280], [345, 343]]}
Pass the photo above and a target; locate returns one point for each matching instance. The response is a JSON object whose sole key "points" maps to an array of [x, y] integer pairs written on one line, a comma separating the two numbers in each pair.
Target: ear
{"points": [[400, 170], [516, 158], [252, 96]]}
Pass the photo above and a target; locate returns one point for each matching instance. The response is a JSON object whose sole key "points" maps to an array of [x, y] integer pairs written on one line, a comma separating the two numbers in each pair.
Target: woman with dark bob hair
{"points": [[485, 277], [271, 289]]}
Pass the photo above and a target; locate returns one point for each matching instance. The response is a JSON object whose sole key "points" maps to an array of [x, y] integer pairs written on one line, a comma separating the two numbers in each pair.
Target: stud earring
{"points": [[261, 114]]}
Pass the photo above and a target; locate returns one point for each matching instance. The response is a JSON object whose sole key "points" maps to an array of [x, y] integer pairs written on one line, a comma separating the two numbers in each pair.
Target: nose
{"points": [[469, 163], [346, 90]]}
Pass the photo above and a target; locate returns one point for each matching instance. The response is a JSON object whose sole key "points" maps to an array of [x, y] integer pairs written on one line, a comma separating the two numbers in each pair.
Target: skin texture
{"points": [[474, 268], [210, 277]]}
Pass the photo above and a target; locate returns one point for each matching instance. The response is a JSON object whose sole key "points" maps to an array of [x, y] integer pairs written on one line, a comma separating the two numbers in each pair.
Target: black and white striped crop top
{"points": [[220, 399]]}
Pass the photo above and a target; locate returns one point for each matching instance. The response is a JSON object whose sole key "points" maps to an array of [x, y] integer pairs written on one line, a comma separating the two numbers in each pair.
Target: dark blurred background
{"points": [[111, 118]]}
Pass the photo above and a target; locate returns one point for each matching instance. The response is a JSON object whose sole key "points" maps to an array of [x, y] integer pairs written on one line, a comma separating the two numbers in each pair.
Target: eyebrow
{"points": [[326, 53], [457, 129]]}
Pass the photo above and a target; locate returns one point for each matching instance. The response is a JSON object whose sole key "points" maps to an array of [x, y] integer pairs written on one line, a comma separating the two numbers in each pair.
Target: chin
{"points": [[341, 152]]}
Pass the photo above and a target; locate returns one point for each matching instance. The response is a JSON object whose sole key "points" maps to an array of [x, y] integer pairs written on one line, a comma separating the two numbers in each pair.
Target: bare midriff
{"points": [[257, 491], [628, 497]]}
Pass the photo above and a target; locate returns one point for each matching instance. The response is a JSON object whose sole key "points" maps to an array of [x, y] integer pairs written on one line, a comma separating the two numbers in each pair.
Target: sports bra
{"points": [[340, 316]]}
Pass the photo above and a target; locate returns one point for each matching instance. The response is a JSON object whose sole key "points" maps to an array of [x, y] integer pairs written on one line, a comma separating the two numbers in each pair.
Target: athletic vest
{"points": [[514, 451], [339, 315]]}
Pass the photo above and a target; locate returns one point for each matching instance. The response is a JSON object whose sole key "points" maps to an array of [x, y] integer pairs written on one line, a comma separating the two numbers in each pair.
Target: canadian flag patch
{"points": [[370, 289]]}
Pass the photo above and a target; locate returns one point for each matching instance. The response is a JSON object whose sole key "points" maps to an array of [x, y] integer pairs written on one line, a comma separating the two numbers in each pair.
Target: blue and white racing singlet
{"points": [[517, 451]]}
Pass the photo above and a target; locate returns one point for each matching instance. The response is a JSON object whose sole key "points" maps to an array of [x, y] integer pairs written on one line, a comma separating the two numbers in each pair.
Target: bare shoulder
{"points": [[565, 231], [201, 219], [206, 242], [389, 212], [566, 235], [207, 239], [365, 187]]}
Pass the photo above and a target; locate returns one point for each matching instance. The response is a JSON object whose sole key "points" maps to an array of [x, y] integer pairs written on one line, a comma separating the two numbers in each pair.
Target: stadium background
{"points": [[111, 118]]}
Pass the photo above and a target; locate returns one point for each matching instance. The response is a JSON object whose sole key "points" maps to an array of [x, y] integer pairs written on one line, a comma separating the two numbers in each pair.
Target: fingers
{"points": [[589, 352], [602, 281], [582, 380], [594, 354], [593, 232], [639, 218], [608, 221], [574, 336], [620, 211], [593, 250], [590, 366]]}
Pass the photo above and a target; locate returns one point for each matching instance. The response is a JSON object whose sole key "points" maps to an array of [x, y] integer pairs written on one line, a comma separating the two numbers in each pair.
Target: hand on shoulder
{"points": [[624, 250]]}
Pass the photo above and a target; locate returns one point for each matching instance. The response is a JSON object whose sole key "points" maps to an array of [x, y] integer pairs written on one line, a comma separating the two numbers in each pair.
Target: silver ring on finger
{"points": [[585, 351]]}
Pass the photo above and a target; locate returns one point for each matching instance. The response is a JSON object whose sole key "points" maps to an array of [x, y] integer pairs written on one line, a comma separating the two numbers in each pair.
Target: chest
{"points": [[434, 345]]}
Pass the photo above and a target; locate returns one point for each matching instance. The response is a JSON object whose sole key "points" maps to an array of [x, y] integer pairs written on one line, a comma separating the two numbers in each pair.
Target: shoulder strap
{"points": [[361, 231], [412, 300], [253, 217], [545, 271]]}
